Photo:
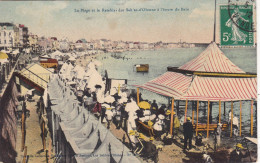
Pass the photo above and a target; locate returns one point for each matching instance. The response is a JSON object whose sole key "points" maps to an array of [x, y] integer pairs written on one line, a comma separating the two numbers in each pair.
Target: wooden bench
{"points": [[142, 126], [212, 127]]}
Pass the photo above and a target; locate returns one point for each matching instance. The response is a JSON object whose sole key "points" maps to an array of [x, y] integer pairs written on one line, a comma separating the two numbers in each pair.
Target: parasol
{"points": [[144, 105]]}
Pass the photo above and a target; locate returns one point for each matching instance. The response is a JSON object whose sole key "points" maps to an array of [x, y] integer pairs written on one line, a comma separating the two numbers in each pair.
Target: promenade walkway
{"points": [[33, 139]]}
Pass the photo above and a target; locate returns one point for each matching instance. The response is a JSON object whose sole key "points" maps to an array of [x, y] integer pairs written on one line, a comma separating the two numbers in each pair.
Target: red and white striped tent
{"points": [[209, 77]]}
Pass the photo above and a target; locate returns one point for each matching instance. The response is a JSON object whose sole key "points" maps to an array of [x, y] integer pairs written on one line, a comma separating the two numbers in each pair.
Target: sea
{"points": [[122, 66]]}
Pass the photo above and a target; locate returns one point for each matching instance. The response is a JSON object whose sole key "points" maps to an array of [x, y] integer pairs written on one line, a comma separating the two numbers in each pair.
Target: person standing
{"points": [[188, 133], [176, 125], [154, 107], [238, 154]]}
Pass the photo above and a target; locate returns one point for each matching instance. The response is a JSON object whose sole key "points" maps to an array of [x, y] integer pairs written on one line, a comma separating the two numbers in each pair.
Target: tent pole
{"points": [[219, 114], [172, 116], [193, 108], [186, 107], [240, 125], [252, 106], [197, 117], [231, 122], [208, 120], [224, 108], [137, 92]]}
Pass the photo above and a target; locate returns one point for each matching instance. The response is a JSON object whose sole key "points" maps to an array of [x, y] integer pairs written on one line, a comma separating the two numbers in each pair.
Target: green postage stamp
{"points": [[236, 25]]}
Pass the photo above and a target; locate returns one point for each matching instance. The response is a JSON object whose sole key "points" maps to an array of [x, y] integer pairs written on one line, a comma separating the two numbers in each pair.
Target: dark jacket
{"points": [[234, 157], [188, 129]]}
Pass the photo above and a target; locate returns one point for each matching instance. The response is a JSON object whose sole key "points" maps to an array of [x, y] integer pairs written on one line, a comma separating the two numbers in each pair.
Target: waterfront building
{"points": [[81, 44], [23, 35], [130, 45], [8, 31], [33, 39], [136, 45], [54, 43]]}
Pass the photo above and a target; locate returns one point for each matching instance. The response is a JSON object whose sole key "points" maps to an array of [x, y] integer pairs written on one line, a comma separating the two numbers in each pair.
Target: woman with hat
{"points": [[158, 126]]}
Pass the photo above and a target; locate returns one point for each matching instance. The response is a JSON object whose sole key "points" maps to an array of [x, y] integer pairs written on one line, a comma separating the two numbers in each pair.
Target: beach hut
{"points": [[49, 63], [33, 76], [210, 77]]}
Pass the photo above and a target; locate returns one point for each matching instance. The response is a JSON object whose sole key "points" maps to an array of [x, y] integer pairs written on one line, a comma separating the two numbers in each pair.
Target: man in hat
{"points": [[237, 154], [188, 133]]}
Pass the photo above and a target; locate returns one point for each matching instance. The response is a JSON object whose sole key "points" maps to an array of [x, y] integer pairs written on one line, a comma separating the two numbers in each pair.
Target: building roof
{"points": [[49, 61]]}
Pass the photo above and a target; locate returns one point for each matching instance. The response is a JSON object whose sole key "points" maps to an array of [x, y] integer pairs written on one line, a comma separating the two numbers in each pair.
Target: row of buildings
{"points": [[108, 45], [17, 35], [13, 35]]}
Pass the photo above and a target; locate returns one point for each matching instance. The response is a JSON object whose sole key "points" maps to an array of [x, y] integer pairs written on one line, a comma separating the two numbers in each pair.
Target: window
{"points": [[5, 41], [4, 33]]}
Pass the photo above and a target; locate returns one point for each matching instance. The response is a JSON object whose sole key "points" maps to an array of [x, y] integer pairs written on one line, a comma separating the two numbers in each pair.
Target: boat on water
{"points": [[142, 68]]}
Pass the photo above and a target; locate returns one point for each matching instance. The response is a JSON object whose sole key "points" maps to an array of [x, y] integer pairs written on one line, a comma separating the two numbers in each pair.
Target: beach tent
{"points": [[79, 72], [44, 57], [211, 76], [84, 134], [72, 58], [56, 54], [3, 51]]}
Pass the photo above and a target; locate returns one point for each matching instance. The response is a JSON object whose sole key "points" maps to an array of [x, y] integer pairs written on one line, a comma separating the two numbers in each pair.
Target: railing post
{"points": [[25, 155]]}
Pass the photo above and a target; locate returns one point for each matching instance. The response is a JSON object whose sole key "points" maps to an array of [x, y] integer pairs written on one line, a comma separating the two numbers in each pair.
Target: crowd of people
{"points": [[121, 107], [117, 105]]}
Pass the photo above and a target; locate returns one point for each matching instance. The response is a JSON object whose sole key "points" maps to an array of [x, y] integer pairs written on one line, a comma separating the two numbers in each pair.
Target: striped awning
{"points": [[212, 59], [170, 84], [219, 88], [183, 86]]}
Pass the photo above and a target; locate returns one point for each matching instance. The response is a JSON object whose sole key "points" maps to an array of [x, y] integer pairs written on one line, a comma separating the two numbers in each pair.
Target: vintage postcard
{"points": [[128, 81]]}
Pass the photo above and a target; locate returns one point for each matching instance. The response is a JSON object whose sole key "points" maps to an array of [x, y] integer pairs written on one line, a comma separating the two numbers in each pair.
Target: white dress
{"points": [[131, 125]]}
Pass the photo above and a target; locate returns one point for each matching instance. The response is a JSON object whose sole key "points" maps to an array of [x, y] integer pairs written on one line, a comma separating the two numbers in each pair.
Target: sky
{"points": [[59, 19]]}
